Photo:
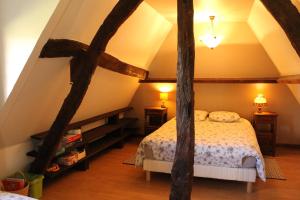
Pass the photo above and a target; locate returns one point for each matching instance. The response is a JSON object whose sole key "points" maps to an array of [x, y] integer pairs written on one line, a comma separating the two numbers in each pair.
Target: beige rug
{"points": [[130, 161], [273, 170]]}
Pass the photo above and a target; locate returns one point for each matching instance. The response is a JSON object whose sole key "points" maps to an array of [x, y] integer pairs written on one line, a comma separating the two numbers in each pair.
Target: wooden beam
{"points": [[182, 170], [214, 80], [62, 48], [86, 63], [111, 63], [292, 79], [70, 48], [287, 15]]}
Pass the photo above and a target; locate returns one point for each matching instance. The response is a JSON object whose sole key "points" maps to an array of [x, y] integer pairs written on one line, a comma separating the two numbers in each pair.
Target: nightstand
{"points": [[154, 118], [265, 124]]}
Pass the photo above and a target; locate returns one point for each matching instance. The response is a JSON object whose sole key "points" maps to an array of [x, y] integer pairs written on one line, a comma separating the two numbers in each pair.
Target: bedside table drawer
{"points": [[265, 124], [264, 140], [264, 120], [154, 112], [154, 118]]}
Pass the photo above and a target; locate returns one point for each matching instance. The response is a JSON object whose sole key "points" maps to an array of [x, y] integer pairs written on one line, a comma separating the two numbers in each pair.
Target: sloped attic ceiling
{"points": [[275, 42], [135, 43], [266, 45], [44, 83]]}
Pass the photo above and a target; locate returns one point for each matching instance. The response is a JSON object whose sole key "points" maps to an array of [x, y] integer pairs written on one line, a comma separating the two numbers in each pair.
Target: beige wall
{"points": [[231, 97], [240, 54]]}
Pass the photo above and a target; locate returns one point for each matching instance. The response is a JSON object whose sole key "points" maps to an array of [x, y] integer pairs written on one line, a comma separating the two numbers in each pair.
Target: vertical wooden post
{"points": [[182, 171]]}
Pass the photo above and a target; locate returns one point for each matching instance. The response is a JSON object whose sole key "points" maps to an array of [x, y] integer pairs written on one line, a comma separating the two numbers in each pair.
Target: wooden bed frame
{"points": [[247, 175]]}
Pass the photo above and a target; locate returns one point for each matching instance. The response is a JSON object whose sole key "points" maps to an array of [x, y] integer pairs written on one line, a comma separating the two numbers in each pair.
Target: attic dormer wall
{"points": [[240, 55], [275, 42]]}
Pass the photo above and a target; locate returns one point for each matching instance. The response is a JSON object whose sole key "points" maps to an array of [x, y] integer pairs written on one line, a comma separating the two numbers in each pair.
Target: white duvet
{"points": [[216, 144]]}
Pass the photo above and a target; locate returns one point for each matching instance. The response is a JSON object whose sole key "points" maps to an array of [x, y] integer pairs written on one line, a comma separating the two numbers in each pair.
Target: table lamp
{"points": [[260, 101], [163, 97]]}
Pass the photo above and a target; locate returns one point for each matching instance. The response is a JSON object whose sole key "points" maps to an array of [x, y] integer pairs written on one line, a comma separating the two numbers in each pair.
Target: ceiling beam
{"points": [[292, 79], [288, 16], [69, 48], [214, 80]]}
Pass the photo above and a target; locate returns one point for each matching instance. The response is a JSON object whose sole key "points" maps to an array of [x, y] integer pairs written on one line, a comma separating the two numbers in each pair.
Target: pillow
{"points": [[224, 116], [200, 115]]}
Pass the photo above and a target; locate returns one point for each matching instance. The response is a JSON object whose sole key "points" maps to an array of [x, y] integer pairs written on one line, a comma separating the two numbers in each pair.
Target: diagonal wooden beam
{"points": [[111, 63], [71, 48], [62, 48], [86, 63], [287, 15], [182, 170]]}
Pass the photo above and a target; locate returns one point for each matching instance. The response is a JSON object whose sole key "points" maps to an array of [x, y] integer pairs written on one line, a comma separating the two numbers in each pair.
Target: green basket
{"points": [[35, 182]]}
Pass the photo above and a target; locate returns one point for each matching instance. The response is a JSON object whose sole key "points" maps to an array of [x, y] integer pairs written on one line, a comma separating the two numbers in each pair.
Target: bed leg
{"points": [[249, 187], [148, 176]]}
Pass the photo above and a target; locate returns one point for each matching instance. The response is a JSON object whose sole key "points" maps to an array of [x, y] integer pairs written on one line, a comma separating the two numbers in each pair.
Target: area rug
{"points": [[273, 170], [130, 160]]}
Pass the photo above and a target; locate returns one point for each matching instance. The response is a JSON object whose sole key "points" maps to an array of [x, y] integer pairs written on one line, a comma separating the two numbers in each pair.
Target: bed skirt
{"points": [[225, 173]]}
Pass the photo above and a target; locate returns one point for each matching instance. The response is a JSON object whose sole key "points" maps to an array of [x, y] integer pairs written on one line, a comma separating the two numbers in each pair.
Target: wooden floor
{"points": [[109, 179]]}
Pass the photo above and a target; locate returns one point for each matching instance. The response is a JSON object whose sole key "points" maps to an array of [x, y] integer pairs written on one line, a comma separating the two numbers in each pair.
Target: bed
{"points": [[12, 196], [226, 151]]}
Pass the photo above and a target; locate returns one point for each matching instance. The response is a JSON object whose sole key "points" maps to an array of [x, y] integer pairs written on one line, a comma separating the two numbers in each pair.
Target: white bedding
{"points": [[216, 144]]}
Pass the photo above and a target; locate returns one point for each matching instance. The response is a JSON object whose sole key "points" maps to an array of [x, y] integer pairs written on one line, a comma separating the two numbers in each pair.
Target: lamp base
{"points": [[259, 109], [163, 104]]}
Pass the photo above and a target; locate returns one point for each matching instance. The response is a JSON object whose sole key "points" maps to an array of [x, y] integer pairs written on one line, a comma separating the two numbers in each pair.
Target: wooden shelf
{"points": [[104, 143], [93, 141], [100, 132], [75, 145], [64, 168], [42, 135]]}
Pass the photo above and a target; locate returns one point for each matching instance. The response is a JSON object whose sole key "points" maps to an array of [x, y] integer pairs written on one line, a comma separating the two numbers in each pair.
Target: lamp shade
{"points": [[260, 99], [163, 96]]}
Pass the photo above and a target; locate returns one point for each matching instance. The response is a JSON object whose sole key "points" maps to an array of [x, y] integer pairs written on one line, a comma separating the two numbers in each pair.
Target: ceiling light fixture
{"points": [[211, 40]]}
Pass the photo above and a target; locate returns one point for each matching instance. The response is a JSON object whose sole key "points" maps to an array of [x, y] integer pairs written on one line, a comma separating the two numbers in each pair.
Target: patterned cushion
{"points": [[200, 115], [224, 116]]}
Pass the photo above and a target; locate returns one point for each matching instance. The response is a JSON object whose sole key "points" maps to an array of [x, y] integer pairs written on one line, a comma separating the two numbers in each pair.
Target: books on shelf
{"points": [[72, 136], [71, 158]]}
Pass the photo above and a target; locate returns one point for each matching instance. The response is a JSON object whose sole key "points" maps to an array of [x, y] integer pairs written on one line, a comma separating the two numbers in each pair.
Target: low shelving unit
{"points": [[113, 131]]}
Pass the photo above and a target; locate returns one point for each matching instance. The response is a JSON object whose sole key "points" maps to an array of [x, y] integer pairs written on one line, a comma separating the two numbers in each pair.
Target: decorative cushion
{"points": [[224, 116], [200, 115]]}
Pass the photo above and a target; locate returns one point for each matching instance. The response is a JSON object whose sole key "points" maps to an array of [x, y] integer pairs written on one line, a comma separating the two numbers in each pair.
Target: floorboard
{"points": [[109, 179]]}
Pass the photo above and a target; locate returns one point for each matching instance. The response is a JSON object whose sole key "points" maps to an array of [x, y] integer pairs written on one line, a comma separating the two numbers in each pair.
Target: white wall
{"points": [[21, 24], [44, 83]]}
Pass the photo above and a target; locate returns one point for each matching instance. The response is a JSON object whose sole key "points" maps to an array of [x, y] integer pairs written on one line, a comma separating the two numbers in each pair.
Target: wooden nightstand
{"points": [[154, 118], [265, 124]]}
